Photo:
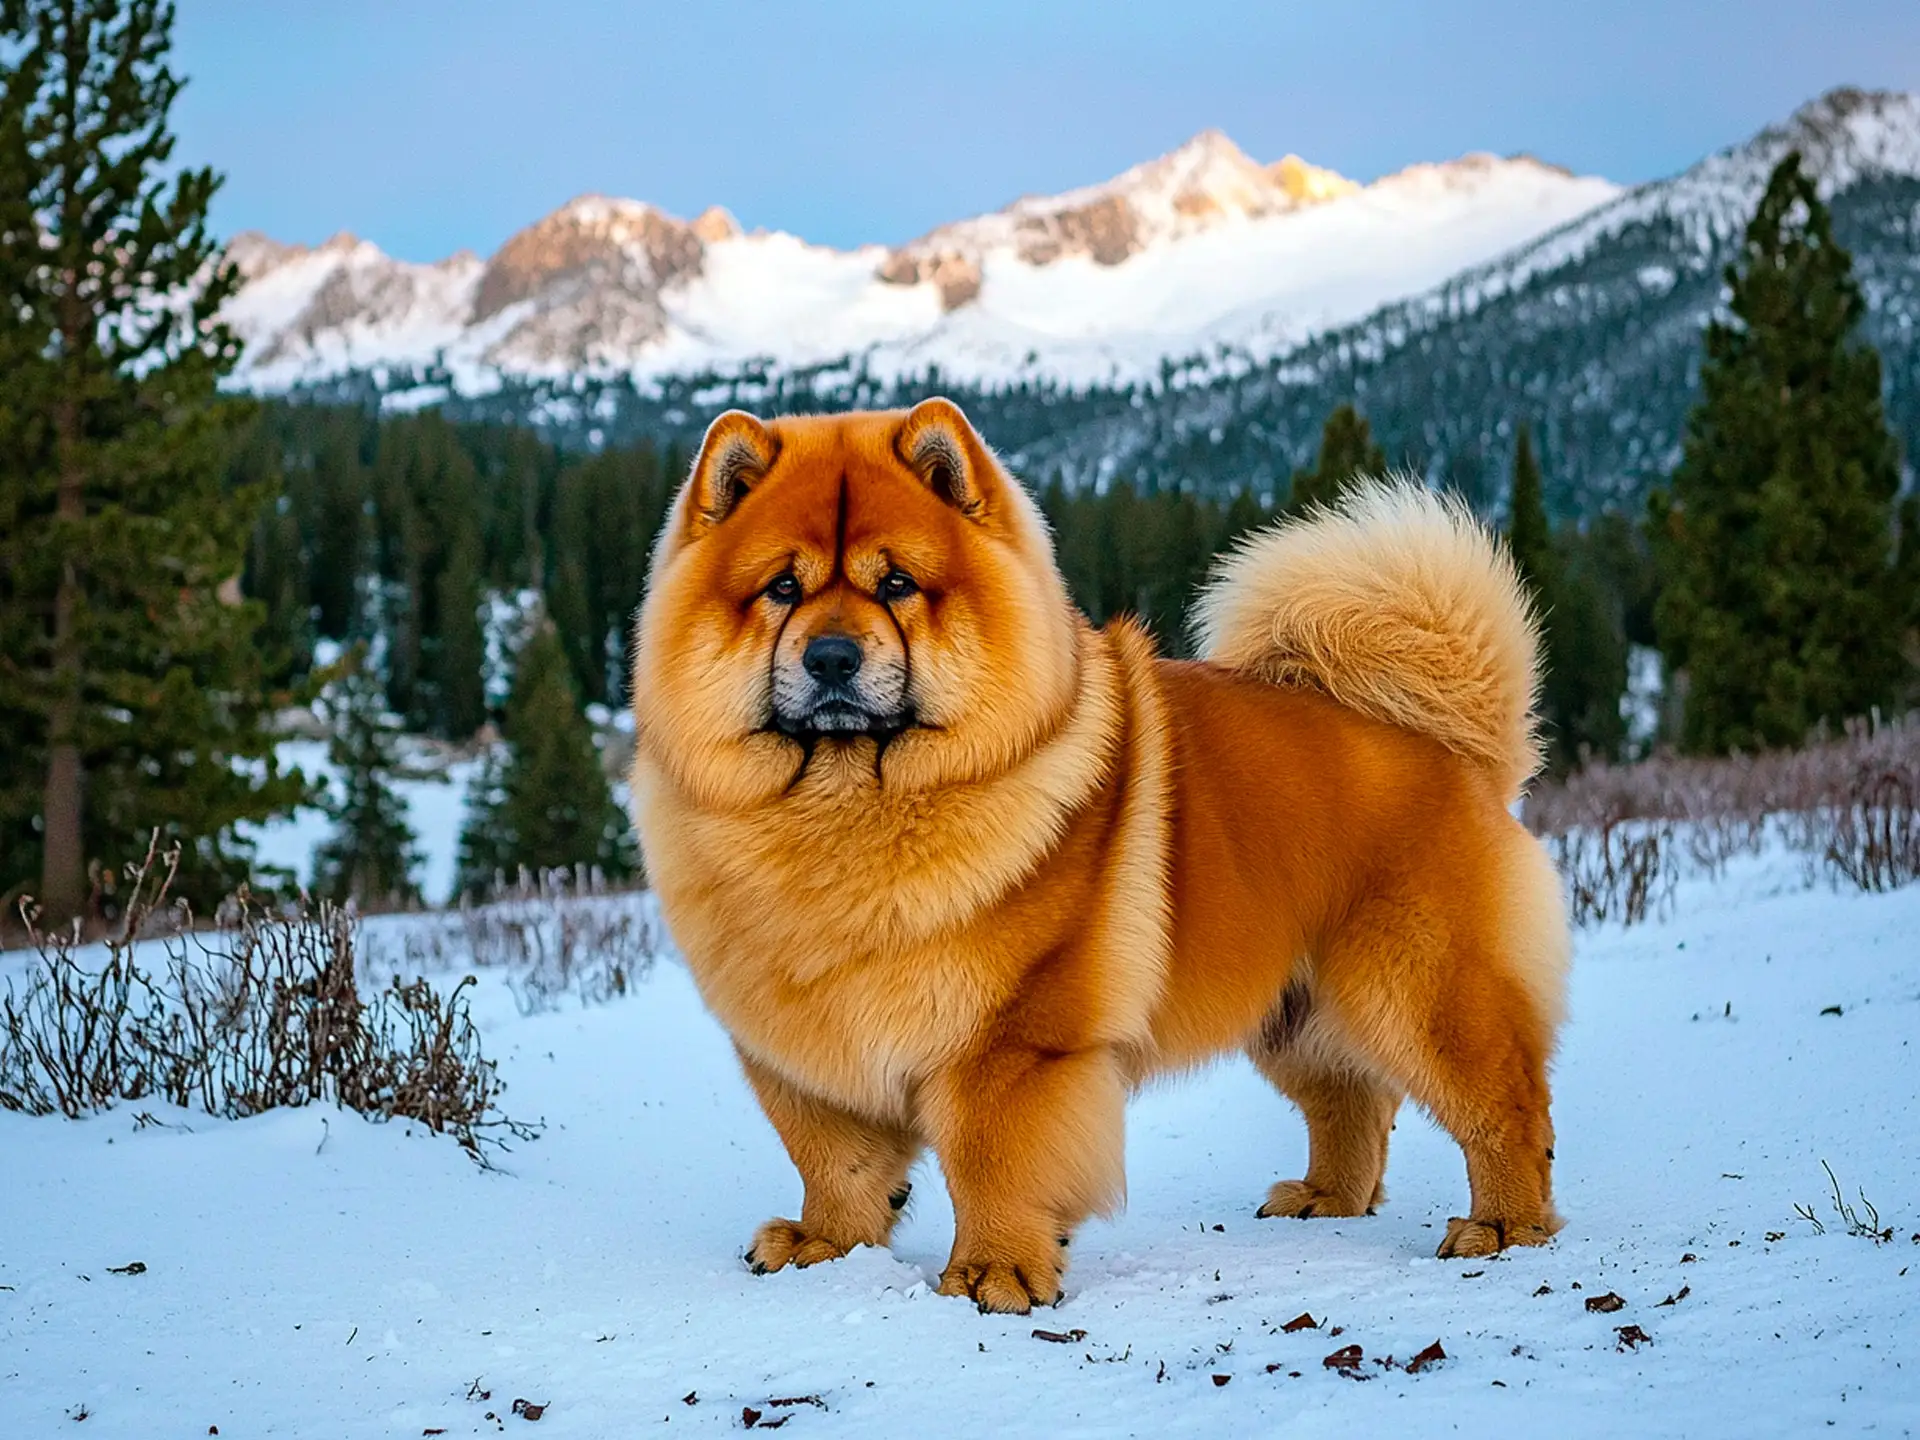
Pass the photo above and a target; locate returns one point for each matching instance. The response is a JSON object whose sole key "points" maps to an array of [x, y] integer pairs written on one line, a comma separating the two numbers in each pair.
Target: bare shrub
{"points": [[558, 934], [1849, 803], [1623, 870], [260, 1011], [1865, 1227], [1872, 835]]}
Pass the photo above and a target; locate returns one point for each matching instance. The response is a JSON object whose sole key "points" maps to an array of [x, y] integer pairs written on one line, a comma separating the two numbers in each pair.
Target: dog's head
{"points": [[847, 601]]}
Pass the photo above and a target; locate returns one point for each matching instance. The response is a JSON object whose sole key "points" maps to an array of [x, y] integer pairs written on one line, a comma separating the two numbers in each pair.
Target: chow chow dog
{"points": [[956, 869]]}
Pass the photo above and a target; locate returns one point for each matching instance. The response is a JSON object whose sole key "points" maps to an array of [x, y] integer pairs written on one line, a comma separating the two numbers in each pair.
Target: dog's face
{"points": [[854, 601]]}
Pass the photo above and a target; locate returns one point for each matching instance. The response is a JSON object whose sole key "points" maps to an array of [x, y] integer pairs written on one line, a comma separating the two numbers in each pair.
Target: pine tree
{"points": [[1776, 540], [460, 650], [1583, 654], [130, 667], [1244, 513], [570, 587], [1346, 450], [1587, 667], [1528, 534], [1907, 585], [340, 526], [372, 854], [545, 803]]}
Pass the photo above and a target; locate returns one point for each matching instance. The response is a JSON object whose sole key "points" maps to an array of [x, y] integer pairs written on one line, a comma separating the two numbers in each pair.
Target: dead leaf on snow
{"points": [[1631, 1337], [1347, 1357], [1677, 1296], [1302, 1321], [1432, 1355], [1605, 1304]]}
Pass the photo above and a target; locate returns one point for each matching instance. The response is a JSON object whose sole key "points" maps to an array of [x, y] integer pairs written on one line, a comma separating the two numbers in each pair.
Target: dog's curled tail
{"points": [[1398, 604]]}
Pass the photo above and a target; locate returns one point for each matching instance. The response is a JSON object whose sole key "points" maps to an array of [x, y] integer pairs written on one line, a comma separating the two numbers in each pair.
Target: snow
{"points": [[433, 789], [310, 1274], [1646, 691]]}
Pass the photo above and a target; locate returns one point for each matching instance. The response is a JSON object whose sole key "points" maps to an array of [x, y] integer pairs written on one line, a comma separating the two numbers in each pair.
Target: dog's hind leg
{"points": [[1459, 1001], [855, 1172], [1349, 1114]]}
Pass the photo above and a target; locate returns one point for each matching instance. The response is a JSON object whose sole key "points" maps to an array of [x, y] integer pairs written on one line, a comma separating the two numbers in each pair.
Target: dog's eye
{"points": [[897, 586], [785, 589]]}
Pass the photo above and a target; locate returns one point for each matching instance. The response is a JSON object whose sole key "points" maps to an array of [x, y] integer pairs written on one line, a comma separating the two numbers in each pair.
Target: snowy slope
{"points": [[344, 1280], [1844, 138], [1200, 248]]}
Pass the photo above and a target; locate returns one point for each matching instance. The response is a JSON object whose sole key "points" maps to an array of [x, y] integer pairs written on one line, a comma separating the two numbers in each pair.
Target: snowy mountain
{"points": [[1200, 249], [1591, 332], [1189, 322]]}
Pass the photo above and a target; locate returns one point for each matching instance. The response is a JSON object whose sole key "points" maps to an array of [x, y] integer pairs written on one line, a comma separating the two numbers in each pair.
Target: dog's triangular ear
{"points": [[736, 455], [938, 444]]}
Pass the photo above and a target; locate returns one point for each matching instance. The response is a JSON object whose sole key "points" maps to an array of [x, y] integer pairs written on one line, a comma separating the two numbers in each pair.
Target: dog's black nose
{"points": [[832, 659]]}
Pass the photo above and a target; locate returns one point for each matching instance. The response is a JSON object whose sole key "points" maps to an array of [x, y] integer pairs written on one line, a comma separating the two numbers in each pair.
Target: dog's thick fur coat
{"points": [[974, 885]]}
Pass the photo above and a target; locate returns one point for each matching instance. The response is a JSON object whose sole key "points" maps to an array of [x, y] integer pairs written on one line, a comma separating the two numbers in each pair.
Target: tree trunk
{"points": [[63, 882], [63, 875]]}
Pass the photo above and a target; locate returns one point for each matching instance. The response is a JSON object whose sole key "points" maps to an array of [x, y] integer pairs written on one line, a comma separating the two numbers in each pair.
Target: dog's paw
{"points": [[780, 1243], [1468, 1238], [1297, 1200], [999, 1288]]}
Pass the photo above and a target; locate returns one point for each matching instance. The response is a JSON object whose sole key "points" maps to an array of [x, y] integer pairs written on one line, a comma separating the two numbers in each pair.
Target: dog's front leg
{"points": [[854, 1170], [1032, 1142]]}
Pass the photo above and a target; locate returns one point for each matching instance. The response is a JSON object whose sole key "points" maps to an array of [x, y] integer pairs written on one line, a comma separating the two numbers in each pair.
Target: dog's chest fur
{"points": [[853, 948]]}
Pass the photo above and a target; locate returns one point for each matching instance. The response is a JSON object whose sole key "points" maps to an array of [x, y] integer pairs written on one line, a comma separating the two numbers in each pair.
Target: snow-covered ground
{"points": [[309, 1274], [435, 796]]}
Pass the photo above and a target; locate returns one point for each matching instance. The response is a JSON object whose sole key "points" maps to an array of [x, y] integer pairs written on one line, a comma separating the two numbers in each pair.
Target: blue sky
{"points": [[431, 125]]}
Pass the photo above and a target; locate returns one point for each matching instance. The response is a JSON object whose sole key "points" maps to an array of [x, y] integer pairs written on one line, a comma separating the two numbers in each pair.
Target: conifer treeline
{"points": [[399, 529]]}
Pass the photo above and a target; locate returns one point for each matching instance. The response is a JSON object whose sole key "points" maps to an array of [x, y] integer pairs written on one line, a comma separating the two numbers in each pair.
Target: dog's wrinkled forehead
{"points": [[800, 474], [839, 504]]}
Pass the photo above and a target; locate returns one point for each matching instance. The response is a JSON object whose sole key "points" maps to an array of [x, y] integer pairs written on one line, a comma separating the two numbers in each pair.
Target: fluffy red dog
{"points": [[955, 869]]}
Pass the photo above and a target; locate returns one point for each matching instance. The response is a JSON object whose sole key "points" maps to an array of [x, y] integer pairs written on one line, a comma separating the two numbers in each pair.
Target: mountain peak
{"points": [[1210, 178], [715, 223], [1208, 147], [1847, 133], [1204, 182]]}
